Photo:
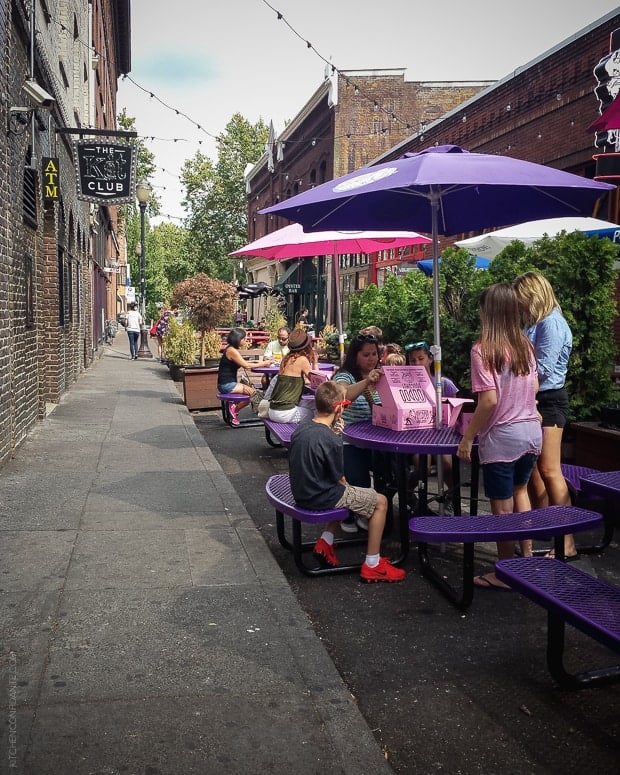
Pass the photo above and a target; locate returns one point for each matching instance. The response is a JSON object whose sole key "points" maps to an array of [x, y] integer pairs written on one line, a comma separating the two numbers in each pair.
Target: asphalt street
{"points": [[441, 690]]}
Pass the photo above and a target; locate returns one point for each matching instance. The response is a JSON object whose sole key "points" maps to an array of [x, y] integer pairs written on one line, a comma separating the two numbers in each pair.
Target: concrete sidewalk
{"points": [[146, 627]]}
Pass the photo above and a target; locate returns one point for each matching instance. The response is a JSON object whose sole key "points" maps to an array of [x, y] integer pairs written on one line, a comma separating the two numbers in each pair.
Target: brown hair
{"points": [[327, 394], [535, 296], [372, 331], [502, 341]]}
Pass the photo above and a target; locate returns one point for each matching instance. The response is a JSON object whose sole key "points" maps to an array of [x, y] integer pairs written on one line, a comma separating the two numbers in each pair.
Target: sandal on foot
{"points": [[488, 581], [568, 558]]}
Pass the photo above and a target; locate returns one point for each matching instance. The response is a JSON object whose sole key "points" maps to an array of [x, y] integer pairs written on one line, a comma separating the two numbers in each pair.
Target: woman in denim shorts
{"points": [[506, 421], [551, 337]]}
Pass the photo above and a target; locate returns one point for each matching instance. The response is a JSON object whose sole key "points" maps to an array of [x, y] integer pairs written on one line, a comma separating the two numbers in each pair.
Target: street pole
{"points": [[143, 194]]}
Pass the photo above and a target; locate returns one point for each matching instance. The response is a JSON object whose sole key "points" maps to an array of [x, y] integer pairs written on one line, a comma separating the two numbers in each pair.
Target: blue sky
{"points": [[210, 60]]}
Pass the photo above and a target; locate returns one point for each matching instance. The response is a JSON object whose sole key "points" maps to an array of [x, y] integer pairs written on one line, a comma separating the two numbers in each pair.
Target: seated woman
{"points": [[359, 373], [284, 405], [230, 363]]}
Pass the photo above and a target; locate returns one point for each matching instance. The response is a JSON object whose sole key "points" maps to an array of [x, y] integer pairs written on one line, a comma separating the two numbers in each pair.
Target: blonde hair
{"points": [[395, 359], [536, 297]]}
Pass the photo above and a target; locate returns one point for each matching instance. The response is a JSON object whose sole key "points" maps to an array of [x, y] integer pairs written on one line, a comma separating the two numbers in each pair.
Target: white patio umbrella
{"points": [[293, 242], [489, 245]]}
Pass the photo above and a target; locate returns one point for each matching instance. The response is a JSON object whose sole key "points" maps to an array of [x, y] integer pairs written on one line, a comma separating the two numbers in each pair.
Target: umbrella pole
{"points": [[336, 265], [436, 349]]}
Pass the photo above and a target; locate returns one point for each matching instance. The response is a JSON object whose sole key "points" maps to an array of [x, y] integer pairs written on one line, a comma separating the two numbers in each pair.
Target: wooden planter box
{"points": [[596, 447], [200, 387]]}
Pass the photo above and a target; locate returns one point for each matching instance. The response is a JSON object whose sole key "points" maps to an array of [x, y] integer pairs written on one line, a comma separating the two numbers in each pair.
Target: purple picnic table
{"points": [[422, 441]]}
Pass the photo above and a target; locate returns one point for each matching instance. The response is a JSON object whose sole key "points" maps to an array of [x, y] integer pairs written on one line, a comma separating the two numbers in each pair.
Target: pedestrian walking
{"points": [[134, 323]]}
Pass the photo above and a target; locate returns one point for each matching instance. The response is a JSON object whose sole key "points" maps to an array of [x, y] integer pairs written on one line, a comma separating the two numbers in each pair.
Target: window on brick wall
{"points": [[29, 197], [61, 286], [69, 289], [29, 293]]}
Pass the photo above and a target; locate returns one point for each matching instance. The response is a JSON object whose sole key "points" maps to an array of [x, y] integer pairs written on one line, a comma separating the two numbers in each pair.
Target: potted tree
{"points": [[208, 303], [181, 347]]}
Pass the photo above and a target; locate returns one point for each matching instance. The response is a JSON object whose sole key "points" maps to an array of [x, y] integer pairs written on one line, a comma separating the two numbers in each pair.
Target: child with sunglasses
{"points": [[419, 354], [316, 464]]}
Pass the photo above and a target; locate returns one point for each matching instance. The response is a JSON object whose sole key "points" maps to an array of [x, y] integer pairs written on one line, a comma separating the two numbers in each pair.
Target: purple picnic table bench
{"points": [[550, 522], [278, 489], [570, 596]]}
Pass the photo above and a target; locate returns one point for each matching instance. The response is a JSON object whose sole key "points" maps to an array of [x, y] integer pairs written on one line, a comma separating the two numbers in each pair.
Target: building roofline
{"points": [[320, 93], [498, 84]]}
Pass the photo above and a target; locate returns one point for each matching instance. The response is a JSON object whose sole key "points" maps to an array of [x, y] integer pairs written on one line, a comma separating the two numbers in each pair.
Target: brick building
{"points": [[351, 118], [540, 113], [53, 290]]}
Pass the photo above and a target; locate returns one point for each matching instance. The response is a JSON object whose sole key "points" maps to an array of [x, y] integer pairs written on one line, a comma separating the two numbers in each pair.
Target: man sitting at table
{"points": [[278, 348], [275, 351], [316, 463]]}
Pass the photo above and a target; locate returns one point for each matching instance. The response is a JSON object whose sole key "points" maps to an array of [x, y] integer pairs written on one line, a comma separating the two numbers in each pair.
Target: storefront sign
{"points": [[50, 171], [105, 171], [292, 287]]}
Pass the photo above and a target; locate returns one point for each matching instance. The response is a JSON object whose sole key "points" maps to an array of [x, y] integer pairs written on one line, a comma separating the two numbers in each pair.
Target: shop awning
{"points": [[282, 282]]}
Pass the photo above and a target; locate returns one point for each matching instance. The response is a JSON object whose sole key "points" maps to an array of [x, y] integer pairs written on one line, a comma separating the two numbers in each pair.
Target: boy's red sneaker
{"points": [[384, 571], [325, 553]]}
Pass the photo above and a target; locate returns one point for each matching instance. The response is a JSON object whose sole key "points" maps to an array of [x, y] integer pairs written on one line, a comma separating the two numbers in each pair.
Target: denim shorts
{"points": [[500, 479], [553, 407], [229, 387]]}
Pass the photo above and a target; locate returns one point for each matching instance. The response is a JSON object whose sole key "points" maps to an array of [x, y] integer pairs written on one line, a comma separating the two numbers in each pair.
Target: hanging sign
{"points": [[106, 171], [50, 171]]}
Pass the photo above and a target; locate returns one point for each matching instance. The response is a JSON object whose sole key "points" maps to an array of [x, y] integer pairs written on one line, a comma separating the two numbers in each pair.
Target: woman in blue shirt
{"points": [[551, 336]]}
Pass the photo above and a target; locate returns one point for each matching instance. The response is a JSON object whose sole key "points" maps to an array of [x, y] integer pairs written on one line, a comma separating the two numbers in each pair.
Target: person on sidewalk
{"points": [[506, 421], [316, 464], [134, 322], [161, 330], [548, 331], [230, 363]]}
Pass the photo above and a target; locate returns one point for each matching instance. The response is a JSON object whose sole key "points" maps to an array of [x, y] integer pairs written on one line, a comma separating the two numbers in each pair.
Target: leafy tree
{"points": [[216, 197], [209, 303]]}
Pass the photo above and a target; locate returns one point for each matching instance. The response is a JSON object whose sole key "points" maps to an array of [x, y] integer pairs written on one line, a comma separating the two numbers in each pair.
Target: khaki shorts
{"points": [[360, 500]]}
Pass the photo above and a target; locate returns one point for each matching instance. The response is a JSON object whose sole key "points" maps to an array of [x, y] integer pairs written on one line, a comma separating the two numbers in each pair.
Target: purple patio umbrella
{"points": [[442, 190]]}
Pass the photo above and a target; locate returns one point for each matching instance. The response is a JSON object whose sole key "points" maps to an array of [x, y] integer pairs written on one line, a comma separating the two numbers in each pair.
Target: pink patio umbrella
{"points": [[293, 242]]}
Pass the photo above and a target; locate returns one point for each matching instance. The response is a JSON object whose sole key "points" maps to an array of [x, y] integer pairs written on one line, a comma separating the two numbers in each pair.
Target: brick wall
{"points": [[45, 345]]}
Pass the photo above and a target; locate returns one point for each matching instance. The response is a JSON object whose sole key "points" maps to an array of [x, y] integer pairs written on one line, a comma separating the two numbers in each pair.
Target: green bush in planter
{"points": [[180, 343]]}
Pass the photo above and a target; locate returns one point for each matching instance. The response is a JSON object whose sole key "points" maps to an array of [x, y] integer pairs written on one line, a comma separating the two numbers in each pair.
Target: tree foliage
{"points": [[216, 198]]}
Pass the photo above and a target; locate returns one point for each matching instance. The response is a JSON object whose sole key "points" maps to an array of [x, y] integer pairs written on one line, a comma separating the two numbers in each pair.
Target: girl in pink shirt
{"points": [[506, 421]]}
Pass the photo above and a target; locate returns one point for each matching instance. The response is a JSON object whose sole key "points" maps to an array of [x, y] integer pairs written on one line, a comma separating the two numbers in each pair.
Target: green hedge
{"points": [[581, 271]]}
